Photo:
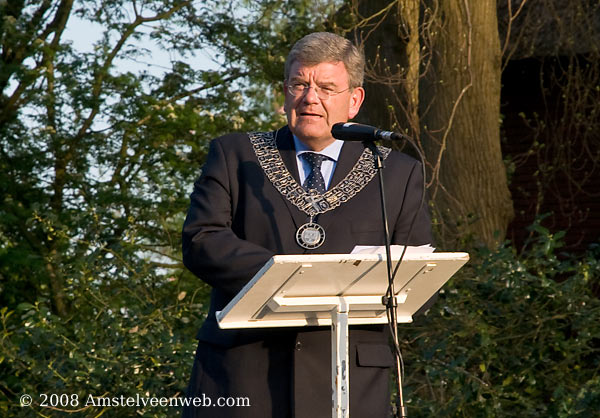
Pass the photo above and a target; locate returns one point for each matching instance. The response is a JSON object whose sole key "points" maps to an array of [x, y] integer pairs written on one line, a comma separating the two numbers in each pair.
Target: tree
{"points": [[96, 164], [436, 67]]}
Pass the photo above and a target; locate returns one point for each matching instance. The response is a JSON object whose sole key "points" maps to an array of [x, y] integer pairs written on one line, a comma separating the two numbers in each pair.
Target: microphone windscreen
{"points": [[353, 131]]}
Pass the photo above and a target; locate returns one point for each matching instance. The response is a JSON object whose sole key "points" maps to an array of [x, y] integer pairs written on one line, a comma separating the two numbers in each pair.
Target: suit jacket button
{"points": [[298, 345]]}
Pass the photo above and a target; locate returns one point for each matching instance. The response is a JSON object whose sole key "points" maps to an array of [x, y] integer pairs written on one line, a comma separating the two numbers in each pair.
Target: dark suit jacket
{"points": [[236, 221]]}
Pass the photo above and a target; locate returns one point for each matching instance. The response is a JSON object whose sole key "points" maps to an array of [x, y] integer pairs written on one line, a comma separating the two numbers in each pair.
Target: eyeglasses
{"points": [[323, 93]]}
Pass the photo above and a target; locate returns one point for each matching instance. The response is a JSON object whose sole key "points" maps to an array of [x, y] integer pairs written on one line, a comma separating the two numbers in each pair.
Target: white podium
{"points": [[336, 290]]}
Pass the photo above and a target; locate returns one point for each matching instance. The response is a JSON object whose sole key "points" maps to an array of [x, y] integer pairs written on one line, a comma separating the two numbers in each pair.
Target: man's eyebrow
{"points": [[325, 84], [299, 79]]}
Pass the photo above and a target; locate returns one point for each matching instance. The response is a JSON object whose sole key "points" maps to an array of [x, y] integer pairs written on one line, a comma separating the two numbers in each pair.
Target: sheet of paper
{"points": [[396, 249]]}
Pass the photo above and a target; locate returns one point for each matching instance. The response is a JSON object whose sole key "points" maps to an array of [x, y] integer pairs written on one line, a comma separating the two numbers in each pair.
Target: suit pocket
{"points": [[374, 355]]}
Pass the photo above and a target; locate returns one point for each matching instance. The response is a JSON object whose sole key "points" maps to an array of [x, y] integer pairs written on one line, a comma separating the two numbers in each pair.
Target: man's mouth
{"points": [[309, 114]]}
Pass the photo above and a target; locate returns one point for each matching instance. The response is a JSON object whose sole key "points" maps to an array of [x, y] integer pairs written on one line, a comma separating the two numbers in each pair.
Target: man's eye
{"points": [[298, 86], [327, 89]]}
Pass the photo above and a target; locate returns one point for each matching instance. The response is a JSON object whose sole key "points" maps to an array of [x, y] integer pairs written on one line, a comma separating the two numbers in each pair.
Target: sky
{"points": [[83, 34]]}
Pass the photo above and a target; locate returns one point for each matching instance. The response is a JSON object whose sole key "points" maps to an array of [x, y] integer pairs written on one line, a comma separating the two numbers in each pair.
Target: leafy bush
{"points": [[129, 340], [510, 336]]}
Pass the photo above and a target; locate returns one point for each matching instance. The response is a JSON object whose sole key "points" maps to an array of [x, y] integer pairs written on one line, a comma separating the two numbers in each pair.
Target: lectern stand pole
{"points": [[339, 360]]}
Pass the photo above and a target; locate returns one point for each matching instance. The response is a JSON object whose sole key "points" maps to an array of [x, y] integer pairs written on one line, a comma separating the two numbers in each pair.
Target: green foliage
{"points": [[96, 163], [510, 336], [132, 340]]}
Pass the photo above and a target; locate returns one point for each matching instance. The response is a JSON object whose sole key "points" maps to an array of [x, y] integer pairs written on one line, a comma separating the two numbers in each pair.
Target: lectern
{"points": [[336, 290]]}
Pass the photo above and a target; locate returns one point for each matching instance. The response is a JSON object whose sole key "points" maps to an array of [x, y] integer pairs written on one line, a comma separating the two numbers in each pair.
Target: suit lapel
{"points": [[285, 145], [349, 155]]}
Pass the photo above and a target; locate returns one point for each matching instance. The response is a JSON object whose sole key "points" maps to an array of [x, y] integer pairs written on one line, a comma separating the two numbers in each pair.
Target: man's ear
{"points": [[356, 99]]}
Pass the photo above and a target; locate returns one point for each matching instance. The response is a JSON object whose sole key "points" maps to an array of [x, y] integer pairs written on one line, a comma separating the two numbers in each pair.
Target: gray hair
{"points": [[319, 47]]}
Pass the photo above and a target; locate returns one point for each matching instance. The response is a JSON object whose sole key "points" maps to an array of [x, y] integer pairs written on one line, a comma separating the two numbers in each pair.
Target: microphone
{"points": [[350, 131]]}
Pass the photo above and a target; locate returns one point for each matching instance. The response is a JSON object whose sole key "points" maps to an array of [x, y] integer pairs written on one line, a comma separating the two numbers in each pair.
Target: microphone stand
{"points": [[389, 300]]}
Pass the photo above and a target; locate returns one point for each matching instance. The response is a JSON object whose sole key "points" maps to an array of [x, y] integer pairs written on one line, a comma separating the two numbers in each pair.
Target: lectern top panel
{"points": [[300, 290]]}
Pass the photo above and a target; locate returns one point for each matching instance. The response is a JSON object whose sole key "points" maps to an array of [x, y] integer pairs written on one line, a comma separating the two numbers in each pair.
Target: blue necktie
{"points": [[314, 180]]}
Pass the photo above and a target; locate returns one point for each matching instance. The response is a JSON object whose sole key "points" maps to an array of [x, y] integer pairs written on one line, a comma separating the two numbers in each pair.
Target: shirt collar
{"points": [[332, 150]]}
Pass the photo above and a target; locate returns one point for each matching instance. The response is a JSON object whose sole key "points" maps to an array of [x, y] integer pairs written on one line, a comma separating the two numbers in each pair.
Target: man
{"points": [[250, 204]]}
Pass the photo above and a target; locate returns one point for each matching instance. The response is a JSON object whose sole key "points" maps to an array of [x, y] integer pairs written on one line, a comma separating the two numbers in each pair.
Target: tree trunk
{"points": [[434, 73], [460, 112], [390, 35]]}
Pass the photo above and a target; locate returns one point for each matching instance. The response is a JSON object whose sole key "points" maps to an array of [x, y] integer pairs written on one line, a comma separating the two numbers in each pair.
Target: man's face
{"points": [[311, 118]]}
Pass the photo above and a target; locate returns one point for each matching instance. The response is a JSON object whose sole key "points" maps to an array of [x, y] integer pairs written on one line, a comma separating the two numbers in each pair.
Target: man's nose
{"points": [[310, 95]]}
